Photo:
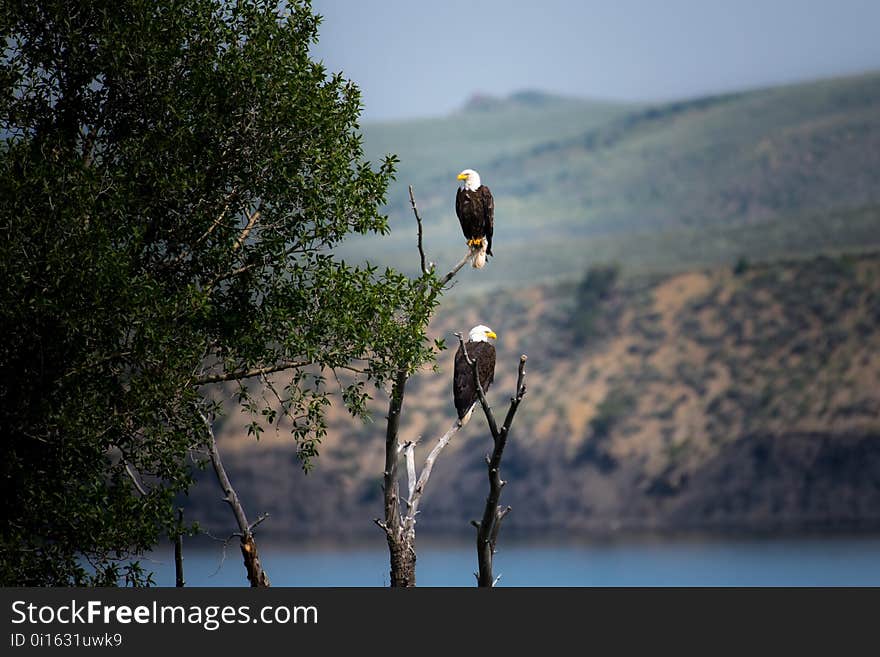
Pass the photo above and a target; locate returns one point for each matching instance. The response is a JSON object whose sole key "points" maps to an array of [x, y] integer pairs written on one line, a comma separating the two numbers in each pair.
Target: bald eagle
{"points": [[481, 350], [475, 208]]}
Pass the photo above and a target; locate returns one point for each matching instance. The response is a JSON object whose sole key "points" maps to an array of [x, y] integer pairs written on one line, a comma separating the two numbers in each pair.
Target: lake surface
{"points": [[850, 561]]}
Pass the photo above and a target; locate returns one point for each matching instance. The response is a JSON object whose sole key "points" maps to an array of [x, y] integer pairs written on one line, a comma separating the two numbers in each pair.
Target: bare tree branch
{"points": [[246, 374], [213, 226], [412, 200], [255, 573], [230, 197], [231, 498], [493, 538], [423, 259], [518, 396], [408, 450], [252, 219], [452, 272], [129, 470], [419, 488]]}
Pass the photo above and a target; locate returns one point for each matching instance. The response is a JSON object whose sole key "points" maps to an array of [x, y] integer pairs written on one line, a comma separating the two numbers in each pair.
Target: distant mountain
{"points": [[528, 98], [578, 182]]}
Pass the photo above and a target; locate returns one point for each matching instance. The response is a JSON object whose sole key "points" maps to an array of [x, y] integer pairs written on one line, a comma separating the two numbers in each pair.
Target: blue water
{"points": [[759, 562]]}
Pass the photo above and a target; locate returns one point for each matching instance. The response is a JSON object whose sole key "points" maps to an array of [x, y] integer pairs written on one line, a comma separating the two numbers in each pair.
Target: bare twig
{"points": [[425, 267], [223, 551], [260, 519], [412, 200]]}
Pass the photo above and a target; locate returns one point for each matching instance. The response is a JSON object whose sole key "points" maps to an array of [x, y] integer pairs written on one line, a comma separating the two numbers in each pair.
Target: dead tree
{"points": [[399, 526], [255, 573], [493, 514]]}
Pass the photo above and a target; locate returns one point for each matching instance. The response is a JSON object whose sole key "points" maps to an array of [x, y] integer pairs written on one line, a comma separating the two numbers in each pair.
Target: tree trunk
{"points": [[487, 531], [178, 551], [403, 562], [402, 552], [255, 573]]}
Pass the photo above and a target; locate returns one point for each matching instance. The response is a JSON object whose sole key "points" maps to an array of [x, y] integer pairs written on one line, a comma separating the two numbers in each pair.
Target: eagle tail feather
{"points": [[467, 416], [479, 254]]}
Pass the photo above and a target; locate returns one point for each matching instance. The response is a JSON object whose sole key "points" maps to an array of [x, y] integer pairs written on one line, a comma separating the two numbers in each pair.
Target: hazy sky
{"points": [[425, 58]]}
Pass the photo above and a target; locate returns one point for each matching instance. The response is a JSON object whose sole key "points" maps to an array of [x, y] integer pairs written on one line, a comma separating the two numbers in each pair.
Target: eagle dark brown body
{"points": [[463, 389], [476, 214]]}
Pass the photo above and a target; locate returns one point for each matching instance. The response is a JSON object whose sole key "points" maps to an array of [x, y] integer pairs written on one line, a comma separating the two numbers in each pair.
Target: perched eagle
{"points": [[481, 350], [475, 208]]}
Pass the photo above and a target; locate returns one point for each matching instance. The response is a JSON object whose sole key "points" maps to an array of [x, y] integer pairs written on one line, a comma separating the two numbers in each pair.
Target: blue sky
{"points": [[414, 59]]}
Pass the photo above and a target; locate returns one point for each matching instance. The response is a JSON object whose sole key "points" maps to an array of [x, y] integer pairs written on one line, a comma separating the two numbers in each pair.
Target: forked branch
{"points": [[490, 524]]}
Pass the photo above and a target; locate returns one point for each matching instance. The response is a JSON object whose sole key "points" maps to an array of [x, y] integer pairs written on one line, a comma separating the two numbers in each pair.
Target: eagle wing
{"points": [[488, 216], [463, 392], [460, 211]]}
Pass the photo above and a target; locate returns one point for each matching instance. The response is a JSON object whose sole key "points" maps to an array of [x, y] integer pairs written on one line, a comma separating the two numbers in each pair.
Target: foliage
{"points": [[174, 180]]}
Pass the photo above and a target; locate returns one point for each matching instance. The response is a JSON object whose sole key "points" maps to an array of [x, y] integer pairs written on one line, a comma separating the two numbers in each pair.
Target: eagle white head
{"points": [[481, 334], [471, 179]]}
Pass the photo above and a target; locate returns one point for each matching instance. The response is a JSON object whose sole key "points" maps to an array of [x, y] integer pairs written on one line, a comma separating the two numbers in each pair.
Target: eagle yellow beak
{"points": [[491, 334], [461, 176]]}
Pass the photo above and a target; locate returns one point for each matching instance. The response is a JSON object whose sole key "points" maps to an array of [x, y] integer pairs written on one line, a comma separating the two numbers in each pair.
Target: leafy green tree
{"points": [[174, 177]]}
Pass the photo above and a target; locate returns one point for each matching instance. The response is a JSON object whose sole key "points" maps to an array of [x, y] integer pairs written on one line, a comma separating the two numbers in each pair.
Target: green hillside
{"points": [[433, 151], [664, 187]]}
